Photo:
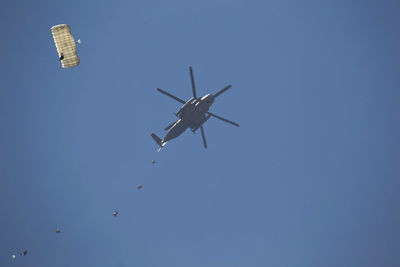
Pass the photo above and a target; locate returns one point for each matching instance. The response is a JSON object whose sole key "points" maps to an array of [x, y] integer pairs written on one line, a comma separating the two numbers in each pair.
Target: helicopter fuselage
{"points": [[191, 115]]}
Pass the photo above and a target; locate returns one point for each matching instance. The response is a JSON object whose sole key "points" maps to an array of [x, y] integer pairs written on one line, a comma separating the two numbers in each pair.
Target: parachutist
{"points": [[66, 46]]}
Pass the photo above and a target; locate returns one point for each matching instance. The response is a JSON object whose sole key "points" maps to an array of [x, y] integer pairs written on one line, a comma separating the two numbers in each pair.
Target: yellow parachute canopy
{"points": [[65, 45]]}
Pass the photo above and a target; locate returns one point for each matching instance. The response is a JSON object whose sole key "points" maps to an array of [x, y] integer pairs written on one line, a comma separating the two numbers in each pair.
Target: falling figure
{"points": [[58, 231], [61, 57], [139, 186], [24, 253], [153, 161], [115, 213]]}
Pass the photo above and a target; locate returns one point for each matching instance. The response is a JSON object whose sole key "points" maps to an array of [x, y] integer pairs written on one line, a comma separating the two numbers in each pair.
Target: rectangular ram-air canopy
{"points": [[65, 44]]}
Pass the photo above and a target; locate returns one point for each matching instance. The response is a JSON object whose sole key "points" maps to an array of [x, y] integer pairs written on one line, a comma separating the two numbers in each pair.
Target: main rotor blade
{"points": [[223, 90], [170, 95], [203, 136], [223, 119], [192, 79]]}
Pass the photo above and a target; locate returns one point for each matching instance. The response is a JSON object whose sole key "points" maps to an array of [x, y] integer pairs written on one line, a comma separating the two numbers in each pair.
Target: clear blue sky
{"points": [[310, 178]]}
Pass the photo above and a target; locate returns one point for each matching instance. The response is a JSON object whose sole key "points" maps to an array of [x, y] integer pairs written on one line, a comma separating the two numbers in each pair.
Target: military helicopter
{"points": [[193, 114]]}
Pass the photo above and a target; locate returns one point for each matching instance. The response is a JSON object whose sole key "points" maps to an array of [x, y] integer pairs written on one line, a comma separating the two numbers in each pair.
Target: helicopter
{"points": [[193, 114]]}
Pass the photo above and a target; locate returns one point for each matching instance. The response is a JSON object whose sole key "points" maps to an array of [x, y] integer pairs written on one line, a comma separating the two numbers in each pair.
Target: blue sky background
{"points": [[310, 178]]}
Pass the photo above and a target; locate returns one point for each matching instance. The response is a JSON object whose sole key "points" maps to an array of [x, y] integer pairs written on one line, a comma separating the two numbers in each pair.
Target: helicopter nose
{"points": [[208, 99], [212, 98]]}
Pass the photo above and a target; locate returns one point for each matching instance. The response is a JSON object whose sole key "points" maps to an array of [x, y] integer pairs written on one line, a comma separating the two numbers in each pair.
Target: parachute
{"points": [[65, 44]]}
